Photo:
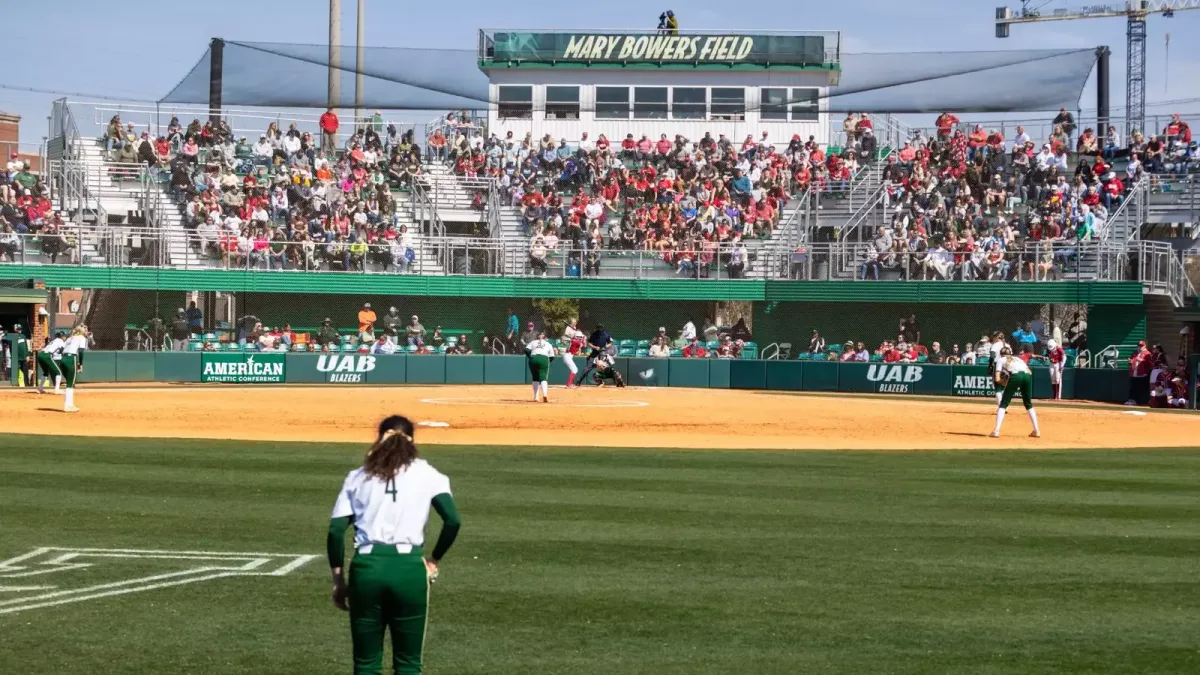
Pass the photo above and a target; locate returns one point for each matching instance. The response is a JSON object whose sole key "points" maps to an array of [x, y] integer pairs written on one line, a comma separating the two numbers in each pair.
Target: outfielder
{"points": [[388, 501], [1058, 361], [72, 364], [47, 365], [539, 353], [995, 349], [573, 341], [1012, 376], [605, 370]]}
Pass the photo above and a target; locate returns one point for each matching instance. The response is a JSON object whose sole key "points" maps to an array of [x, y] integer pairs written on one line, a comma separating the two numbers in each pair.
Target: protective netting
{"points": [[296, 75]]}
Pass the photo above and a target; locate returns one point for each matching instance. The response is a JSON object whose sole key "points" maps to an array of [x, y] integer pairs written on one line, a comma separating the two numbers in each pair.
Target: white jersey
{"points": [[1011, 365], [390, 511], [74, 345], [540, 348], [54, 348], [995, 348]]}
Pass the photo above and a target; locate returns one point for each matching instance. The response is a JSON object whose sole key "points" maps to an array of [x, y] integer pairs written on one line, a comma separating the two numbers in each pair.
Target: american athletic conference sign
{"points": [[894, 379], [257, 368], [346, 368]]}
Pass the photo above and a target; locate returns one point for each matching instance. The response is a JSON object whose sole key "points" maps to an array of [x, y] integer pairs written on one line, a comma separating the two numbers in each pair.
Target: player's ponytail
{"points": [[393, 450]]}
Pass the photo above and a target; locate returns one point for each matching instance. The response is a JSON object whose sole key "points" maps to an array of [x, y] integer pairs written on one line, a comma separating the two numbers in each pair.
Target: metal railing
{"points": [[1040, 129], [1130, 213], [1175, 195], [1152, 263], [248, 122], [1161, 270]]}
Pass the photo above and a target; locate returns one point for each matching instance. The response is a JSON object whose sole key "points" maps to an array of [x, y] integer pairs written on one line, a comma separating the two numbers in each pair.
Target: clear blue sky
{"points": [[141, 48]]}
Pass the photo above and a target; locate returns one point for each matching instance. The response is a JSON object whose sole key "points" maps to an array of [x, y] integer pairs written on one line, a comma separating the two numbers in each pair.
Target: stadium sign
{"points": [[346, 368], [616, 48], [894, 379], [972, 385], [257, 368]]}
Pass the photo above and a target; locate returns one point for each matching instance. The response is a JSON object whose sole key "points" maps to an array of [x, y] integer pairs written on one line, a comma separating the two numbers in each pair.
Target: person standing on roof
{"points": [[667, 23], [329, 128]]}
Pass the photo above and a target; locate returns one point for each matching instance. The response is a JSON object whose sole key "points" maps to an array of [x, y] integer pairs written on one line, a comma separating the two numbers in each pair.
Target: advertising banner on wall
{"points": [[972, 381], [242, 368]]}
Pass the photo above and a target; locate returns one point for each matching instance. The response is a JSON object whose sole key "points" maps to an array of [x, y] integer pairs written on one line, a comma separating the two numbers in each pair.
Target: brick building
{"points": [[10, 134]]}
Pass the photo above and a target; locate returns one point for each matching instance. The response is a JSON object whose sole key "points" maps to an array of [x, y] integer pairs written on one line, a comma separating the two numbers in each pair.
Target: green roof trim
{"points": [[261, 281], [486, 64]]}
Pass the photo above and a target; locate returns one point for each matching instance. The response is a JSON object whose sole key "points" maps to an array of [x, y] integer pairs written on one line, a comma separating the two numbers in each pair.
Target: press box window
{"points": [[650, 103], [728, 103], [688, 103], [612, 103], [515, 102], [562, 103], [806, 105], [774, 104]]}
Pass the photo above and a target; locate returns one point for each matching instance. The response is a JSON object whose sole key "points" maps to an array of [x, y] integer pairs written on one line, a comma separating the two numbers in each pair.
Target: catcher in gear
{"points": [[606, 371]]}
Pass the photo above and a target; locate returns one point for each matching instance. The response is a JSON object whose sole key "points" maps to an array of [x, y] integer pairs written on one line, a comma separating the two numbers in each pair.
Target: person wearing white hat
{"points": [[1058, 362]]}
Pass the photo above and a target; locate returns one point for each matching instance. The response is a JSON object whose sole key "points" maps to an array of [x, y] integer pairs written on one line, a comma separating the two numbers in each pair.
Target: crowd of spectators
{"points": [[969, 204], [687, 201], [26, 209], [284, 201], [910, 346]]}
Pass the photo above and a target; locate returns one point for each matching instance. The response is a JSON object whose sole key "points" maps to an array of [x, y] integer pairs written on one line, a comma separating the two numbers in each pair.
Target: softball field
{"points": [[600, 417]]}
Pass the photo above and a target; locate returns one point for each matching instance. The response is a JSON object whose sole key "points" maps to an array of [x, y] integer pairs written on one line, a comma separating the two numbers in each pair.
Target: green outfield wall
{"points": [[362, 369]]}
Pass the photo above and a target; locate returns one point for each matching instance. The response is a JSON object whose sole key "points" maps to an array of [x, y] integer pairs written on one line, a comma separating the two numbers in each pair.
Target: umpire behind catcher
{"points": [[598, 342]]}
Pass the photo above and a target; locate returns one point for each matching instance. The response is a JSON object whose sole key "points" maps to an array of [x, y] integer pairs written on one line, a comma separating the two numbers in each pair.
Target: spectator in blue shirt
{"points": [[1025, 335], [195, 318], [740, 185], [514, 325]]}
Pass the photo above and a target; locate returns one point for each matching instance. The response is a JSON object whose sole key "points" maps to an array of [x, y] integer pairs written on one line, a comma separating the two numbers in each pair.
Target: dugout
{"points": [[23, 305]]}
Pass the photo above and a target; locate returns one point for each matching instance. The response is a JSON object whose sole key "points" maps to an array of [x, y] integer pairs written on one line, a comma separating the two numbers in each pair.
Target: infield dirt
{"points": [[608, 417]]}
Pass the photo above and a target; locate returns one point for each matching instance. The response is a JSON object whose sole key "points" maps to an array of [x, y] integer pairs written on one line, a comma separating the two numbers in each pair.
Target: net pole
{"points": [[359, 58], [335, 51]]}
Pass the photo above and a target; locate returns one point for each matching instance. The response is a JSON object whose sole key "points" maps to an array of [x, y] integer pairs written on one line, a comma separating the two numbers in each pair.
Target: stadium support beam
{"points": [[1102, 90], [216, 74], [335, 52], [359, 58]]}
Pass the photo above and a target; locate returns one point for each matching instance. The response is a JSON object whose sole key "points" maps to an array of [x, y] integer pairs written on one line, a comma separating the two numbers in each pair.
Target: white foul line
{"points": [[249, 564]]}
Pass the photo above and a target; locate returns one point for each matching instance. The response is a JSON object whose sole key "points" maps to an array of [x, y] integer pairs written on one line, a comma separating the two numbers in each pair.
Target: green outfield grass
{"points": [[658, 562]]}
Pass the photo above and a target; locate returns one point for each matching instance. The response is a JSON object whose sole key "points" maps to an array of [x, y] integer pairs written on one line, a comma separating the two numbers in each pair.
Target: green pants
{"points": [[388, 591], [1018, 382], [539, 367], [69, 370], [46, 366]]}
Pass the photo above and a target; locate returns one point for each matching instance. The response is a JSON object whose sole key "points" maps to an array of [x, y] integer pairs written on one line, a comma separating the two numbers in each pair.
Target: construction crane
{"points": [[1135, 12]]}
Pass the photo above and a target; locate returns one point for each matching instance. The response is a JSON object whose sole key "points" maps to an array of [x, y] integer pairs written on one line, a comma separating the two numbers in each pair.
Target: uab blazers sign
{"points": [[894, 379], [346, 368]]}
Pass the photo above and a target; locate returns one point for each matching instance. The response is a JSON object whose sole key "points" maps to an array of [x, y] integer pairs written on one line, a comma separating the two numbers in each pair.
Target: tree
{"points": [[556, 312]]}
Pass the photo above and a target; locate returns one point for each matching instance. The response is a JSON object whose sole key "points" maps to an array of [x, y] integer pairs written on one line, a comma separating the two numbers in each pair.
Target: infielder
{"points": [[1058, 361], [388, 501], [539, 353], [995, 349], [1012, 376], [573, 341], [47, 365], [72, 364]]}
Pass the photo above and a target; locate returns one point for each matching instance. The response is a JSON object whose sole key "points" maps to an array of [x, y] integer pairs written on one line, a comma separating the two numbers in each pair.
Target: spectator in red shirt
{"points": [[945, 125], [1140, 365], [329, 128], [694, 350]]}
